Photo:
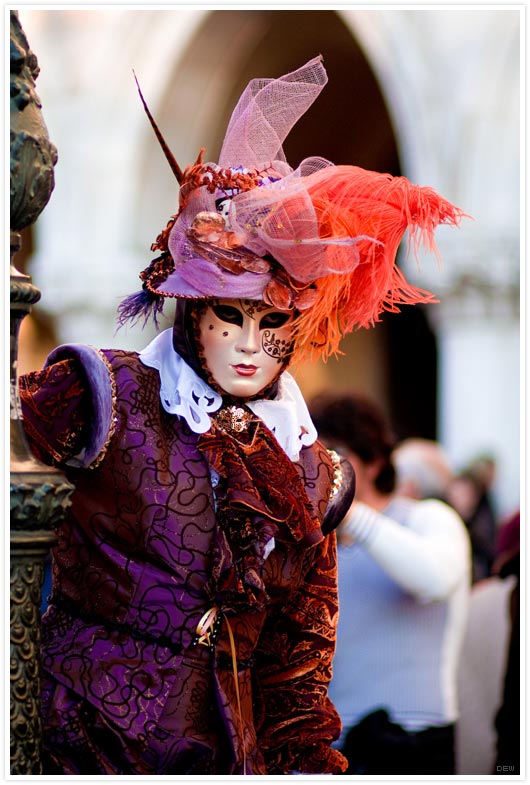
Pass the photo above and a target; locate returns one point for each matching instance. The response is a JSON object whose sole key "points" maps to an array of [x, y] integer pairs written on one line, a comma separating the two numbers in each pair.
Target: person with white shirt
{"points": [[404, 579]]}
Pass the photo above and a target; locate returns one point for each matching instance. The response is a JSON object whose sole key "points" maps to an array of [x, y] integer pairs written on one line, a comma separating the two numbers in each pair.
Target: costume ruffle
{"points": [[260, 496]]}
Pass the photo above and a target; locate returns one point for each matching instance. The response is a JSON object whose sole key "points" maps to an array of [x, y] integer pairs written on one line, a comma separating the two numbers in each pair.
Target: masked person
{"points": [[191, 624]]}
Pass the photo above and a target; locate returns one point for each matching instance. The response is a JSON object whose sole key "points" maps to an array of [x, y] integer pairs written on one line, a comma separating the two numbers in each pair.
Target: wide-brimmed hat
{"points": [[320, 239]]}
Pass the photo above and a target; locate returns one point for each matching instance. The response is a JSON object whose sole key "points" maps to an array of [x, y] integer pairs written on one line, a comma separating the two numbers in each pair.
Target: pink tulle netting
{"points": [[266, 112]]}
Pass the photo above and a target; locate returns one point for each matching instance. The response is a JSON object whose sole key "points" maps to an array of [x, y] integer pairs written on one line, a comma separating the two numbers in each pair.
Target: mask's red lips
{"points": [[245, 370]]}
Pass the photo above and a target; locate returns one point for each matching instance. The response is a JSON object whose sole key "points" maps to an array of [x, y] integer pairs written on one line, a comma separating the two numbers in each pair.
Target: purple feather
{"points": [[140, 304]]}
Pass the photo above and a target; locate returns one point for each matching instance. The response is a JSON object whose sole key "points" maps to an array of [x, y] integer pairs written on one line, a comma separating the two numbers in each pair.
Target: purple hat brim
{"points": [[202, 279]]}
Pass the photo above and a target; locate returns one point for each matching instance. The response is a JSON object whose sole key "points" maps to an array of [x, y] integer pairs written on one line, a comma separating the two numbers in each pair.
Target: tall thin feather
{"points": [[175, 168]]}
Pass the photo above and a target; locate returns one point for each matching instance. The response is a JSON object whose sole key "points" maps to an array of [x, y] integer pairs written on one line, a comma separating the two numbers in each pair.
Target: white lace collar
{"points": [[184, 393]]}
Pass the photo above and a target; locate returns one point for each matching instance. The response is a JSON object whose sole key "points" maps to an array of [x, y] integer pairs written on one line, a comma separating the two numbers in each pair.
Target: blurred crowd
{"points": [[426, 674], [488, 675]]}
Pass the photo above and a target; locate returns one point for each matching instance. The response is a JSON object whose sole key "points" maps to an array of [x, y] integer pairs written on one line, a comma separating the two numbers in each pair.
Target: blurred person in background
{"points": [[507, 565], [470, 494], [423, 470], [404, 578], [489, 679]]}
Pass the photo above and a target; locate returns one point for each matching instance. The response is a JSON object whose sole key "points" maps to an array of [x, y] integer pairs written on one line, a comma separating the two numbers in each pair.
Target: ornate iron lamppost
{"points": [[39, 495]]}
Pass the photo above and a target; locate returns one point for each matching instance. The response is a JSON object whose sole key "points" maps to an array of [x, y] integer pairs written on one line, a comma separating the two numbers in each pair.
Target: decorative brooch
{"points": [[233, 418]]}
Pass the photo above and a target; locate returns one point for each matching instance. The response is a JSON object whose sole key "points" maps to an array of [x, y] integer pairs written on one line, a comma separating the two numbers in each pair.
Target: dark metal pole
{"points": [[39, 495]]}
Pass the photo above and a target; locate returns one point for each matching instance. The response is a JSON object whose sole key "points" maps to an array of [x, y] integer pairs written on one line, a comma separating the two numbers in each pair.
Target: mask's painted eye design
{"points": [[279, 348], [253, 307], [273, 345], [227, 313], [274, 319]]}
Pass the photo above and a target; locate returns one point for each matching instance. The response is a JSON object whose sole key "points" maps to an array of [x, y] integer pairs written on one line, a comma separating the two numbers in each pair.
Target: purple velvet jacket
{"points": [[127, 687]]}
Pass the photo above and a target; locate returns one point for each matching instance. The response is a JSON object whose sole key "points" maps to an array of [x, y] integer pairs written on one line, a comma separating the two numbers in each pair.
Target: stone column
{"points": [[39, 495], [478, 330]]}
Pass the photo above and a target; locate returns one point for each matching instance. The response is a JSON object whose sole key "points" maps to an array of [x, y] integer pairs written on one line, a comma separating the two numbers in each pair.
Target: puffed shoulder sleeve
{"points": [[342, 494], [67, 407]]}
